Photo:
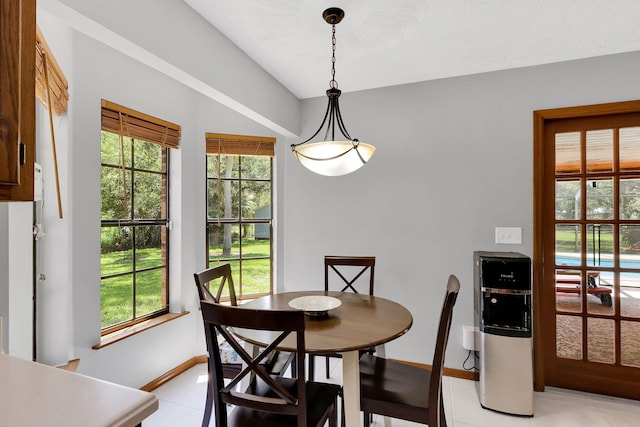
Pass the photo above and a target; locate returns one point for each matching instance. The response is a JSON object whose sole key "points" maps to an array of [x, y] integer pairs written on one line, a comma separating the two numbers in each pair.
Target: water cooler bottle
{"points": [[502, 305]]}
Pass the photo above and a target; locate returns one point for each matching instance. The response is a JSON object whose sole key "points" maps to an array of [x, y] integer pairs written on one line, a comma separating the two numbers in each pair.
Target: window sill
{"points": [[116, 336]]}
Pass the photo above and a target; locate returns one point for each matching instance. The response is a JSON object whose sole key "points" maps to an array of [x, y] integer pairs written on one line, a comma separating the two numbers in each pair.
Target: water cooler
{"points": [[502, 306]]}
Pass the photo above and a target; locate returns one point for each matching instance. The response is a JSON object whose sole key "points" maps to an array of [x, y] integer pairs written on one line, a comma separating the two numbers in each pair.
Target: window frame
{"points": [[239, 147], [123, 122], [134, 223]]}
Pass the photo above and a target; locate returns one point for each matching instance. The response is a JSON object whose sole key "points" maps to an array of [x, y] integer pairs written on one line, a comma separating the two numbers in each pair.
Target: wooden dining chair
{"points": [[268, 401], [215, 284], [399, 390], [346, 274]]}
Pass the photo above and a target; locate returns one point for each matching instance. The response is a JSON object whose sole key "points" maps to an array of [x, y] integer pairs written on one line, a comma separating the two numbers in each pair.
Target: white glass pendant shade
{"points": [[334, 158]]}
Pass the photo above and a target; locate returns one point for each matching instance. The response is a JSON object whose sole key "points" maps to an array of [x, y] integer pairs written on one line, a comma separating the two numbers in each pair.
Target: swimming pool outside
{"points": [[630, 262], [573, 259]]}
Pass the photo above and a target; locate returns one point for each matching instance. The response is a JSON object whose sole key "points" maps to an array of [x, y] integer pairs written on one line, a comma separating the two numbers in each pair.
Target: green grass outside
{"points": [[569, 241], [255, 272], [116, 303]]}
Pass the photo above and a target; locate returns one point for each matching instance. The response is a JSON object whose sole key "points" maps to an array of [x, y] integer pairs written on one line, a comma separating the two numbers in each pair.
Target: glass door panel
{"points": [[568, 290], [568, 202], [600, 245], [630, 201], [568, 244], [629, 148], [601, 340], [600, 199], [630, 276], [600, 150], [567, 152], [569, 337], [630, 345], [630, 295], [600, 292]]}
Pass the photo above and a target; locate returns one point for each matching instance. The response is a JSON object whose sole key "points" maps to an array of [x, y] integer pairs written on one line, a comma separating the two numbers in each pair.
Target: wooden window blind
{"points": [[134, 124], [239, 145], [50, 79]]}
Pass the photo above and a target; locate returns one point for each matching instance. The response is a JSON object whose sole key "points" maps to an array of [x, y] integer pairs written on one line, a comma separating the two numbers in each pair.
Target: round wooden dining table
{"points": [[361, 321]]}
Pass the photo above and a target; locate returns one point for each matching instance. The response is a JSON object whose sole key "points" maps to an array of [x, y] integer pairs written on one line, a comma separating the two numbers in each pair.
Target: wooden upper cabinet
{"points": [[17, 99], [9, 88]]}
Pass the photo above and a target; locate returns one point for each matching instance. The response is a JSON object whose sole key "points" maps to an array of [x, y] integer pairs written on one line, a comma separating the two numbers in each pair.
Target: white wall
{"points": [[16, 279], [20, 327], [4, 271], [454, 160], [54, 323]]}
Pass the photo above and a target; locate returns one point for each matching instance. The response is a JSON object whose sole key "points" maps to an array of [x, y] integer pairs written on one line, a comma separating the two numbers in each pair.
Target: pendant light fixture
{"points": [[333, 157]]}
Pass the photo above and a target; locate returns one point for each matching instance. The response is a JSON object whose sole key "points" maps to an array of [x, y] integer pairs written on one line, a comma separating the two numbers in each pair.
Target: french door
{"points": [[587, 248]]}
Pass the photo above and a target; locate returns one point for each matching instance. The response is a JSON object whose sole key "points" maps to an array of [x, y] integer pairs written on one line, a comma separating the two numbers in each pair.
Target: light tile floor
{"points": [[182, 404]]}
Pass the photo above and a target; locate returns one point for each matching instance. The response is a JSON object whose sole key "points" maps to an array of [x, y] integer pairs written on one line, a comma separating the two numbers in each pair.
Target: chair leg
{"points": [[294, 366], [327, 367], [208, 408], [312, 367], [343, 416], [443, 419], [333, 418], [366, 419]]}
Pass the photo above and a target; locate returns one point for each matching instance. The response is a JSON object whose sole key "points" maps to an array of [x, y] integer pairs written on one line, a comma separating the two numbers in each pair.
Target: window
{"points": [[239, 209], [134, 241]]}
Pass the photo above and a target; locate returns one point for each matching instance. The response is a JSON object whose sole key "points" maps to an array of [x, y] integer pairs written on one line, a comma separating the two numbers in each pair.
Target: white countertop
{"points": [[33, 394]]}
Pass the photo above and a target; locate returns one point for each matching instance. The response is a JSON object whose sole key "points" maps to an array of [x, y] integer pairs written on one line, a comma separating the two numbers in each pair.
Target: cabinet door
{"points": [[17, 98], [9, 91]]}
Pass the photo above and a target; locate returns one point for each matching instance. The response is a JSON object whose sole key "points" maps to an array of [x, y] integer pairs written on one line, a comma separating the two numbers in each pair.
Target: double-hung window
{"points": [[134, 241], [239, 209]]}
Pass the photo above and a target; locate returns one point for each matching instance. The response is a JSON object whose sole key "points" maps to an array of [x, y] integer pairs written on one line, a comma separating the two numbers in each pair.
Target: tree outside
{"points": [[133, 239], [238, 187]]}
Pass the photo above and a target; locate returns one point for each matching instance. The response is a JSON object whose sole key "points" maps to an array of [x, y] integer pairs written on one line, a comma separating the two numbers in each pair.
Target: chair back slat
{"points": [[337, 264], [254, 365]]}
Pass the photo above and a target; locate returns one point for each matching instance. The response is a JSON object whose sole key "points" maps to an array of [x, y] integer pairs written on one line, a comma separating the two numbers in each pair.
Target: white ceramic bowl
{"points": [[315, 305]]}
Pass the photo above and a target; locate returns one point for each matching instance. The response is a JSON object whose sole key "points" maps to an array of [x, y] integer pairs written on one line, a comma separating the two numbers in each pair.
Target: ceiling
{"points": [[384, 43]]}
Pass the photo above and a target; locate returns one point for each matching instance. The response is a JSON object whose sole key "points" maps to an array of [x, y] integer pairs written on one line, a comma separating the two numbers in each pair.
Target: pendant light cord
{"points": [[333, 110], [333, 83]]}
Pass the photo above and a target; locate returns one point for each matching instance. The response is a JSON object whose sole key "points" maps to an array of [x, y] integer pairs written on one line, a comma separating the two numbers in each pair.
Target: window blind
{"points": [[56, 85], [239, 145], [134, 124]]}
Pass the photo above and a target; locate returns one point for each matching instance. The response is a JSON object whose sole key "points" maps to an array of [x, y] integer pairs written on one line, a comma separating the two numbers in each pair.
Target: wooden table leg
{"points": [[351, 387]]}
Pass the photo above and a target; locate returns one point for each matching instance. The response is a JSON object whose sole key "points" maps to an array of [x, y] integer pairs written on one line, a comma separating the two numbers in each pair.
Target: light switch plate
{"points": [[509, 235]]}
